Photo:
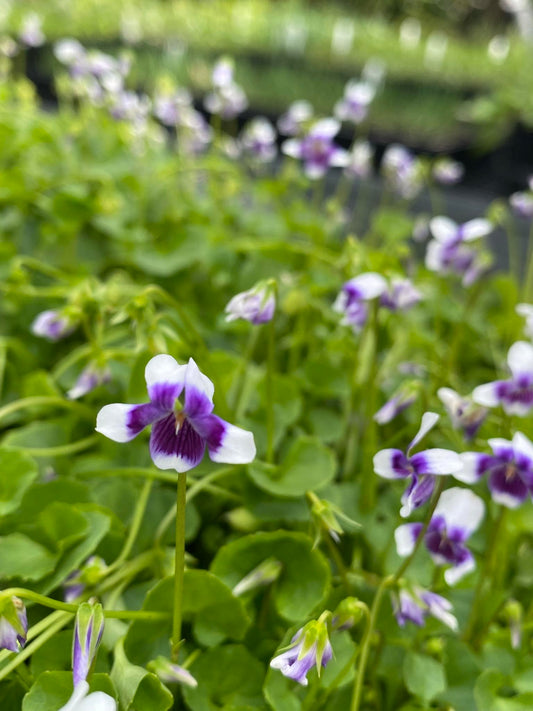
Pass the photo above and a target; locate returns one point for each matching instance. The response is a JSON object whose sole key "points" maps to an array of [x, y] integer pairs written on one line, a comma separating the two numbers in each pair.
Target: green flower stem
{"points": [[63, 449], [343, 572], [387, 582], [188, 324], [37, 266], [239, 401], [179, 564], [486, 575], [512, 248], [44, 400], [528, 285], [138, 516], [130, 472], [271, 365], [127, 571]]}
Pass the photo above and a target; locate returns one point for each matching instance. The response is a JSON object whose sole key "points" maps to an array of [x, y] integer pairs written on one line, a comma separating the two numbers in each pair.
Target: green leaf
{"points": [[53, 689], [305, 575], [38, 434], [17, 472], [309, 465], [21, 557], [423, 676], [490, 684], [62, 525], [208, 603], [228, 678], [138, 689]]}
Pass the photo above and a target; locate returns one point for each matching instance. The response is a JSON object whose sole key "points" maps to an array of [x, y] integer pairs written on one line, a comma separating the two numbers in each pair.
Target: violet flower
{"points": [[522, 204], [515, 395], [402, 171], [310, 647], [13, 624], [169, 107], [457, 515], [355, 103], [352, 300], [417, 604], [360, 160], [226, 100], [509, 469], [180, 433], [258, 140], [420, 469], [256, 305], [317, 149], [395, 406], [292, 122], [447, 171], [463, 412], [88, 632], [31, 33], [81, 700], [171, 673], [90, 378], [53, 325], [401, 295], [449, 252]]}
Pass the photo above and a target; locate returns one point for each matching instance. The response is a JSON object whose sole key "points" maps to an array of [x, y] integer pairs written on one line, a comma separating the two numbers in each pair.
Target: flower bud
{"points": [[348, 613], [13, 624], [88, 632], [256, 305], [266, 572], [310, 647], [170, 673]]}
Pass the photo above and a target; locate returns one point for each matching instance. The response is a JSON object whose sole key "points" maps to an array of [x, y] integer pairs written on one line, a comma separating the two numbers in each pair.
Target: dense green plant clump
{"points": [[300, 334]]}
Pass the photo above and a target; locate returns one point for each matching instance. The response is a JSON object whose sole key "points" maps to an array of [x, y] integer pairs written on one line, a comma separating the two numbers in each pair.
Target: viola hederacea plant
{"points": [[319, 329]]}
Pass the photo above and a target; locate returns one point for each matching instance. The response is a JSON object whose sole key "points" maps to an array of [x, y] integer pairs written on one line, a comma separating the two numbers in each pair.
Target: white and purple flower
{"points": [[509, 469], [447, 171], [171, 673], [81, 700], [522, 204], [360, 160], [402, 171], [256, 305], [310, 647], [354, 105], [88, 632], [90, 378], [13, 624], [401, 295], [395, 405], [449, 252], [53, 325], [463, 411], [417, 604], [420, 469], [180, 433], [354, 295], [457, 515], [515, 395], [31, 33], [258, 140], [317, 149]]}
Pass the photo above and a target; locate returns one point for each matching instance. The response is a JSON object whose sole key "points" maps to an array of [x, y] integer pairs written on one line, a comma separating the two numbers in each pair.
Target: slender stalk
{"points": [[62, 450], [39, 400], [387, 582], [271, 358], [242, 376], [528, 286], [133, 472], [179, 564], [138, 516]]}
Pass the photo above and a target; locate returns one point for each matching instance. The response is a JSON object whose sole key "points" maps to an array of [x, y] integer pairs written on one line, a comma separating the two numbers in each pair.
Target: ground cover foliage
{"points": [[132, 243]]}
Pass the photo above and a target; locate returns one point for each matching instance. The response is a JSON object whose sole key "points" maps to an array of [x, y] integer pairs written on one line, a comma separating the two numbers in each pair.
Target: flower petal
{"points": [[416, 494], [165, 379], [523, 445], [436, 461], [176, 445], [475, 466], [198, 392], [121, 422], [405, 537], [509, 491], [391, 464], [443, 229], [473, 229], [226, 443], [367, 285], [487, 394], [520, 358], [429, 420], [454, 574], [292, 147], [461, 509], [327, 127]]}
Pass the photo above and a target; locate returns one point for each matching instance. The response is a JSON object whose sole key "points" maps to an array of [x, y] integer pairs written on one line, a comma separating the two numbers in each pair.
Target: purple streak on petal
{"points": [[446, 545], [186, 443], [164, 395], [140, 416], [8, 636], [507, 487], [417, 493], [407, 609], [197, 404], [79, 660]]}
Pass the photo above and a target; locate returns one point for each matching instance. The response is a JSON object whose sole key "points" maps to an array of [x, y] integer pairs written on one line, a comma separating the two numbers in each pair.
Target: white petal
{"points": [[112, 421], [326, 127], [520, 358], [80, 691], [370, 284], [443, 229], [383, 464], [469, 473], [473, 229], [440, 461], [292, 147], [460, 508], [486, 394], [498, 443], [340, 158], [164, 369], [97, 701], [453, 575], [434, 256], [405, 538], [195, 378], [429, 420], [523, 445], [449, 398], [314, 170], [525, 310], [237, 446]]}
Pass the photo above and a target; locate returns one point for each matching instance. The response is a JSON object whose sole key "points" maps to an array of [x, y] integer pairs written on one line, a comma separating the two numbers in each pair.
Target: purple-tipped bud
{"points": [[395, 405], [89, 378], [265, 573], [170, 673], [256, 305], [348, 614], [416, 604], [522, 204], [88, 632], [13, 624], [310, 647], [91, 573], [52, 325]]}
